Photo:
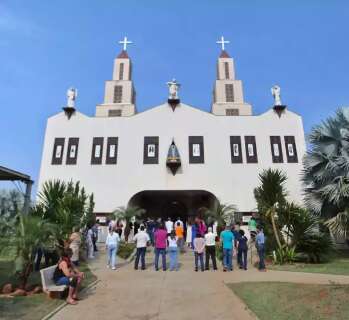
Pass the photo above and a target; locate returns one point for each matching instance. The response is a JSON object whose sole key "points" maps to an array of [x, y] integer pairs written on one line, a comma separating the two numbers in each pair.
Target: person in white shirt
{"points": [[142, 239], [210, 246], [112, 243], [180, 222], [173, 250], [89, 243], [169, 226]]}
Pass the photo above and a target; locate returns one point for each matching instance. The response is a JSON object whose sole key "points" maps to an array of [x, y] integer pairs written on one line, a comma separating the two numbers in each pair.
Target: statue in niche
{"points": [[173, 88], [72, 93], [275, 91]]}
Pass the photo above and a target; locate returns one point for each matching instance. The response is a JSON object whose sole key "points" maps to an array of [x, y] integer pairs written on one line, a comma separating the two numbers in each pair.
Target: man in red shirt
{"points": [[160, 237]]}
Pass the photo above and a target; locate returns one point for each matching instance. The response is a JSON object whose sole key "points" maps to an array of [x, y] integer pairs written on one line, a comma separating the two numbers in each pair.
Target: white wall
{"points": [[114, 185]]}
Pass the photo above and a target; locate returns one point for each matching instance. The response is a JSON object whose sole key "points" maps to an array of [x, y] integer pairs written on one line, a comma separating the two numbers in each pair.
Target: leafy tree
{"points": [[326, 173], [222, 214], [11, 201], [126, 214], [270, 196]]}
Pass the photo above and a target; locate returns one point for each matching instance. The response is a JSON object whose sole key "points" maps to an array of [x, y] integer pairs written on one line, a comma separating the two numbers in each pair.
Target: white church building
{"points": [[173, 158]]}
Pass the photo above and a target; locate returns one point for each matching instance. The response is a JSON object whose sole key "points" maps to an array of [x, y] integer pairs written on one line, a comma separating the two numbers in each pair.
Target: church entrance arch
{"points": [[172, 203]]}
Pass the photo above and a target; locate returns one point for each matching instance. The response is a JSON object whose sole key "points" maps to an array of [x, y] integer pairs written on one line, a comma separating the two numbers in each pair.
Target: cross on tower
{"points": [[222, 42], [125, 43]]}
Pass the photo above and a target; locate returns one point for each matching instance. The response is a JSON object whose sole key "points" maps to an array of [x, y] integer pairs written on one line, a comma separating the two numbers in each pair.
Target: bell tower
{"points": [[228, 99], [120, 95]]}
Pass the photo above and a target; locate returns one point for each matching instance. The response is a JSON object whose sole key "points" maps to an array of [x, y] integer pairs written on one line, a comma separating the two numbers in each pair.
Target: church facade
{"points": [[173, 158]]}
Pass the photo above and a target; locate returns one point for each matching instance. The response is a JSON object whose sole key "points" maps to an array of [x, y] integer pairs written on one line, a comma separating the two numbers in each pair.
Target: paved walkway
{"points": [[147, 295]]}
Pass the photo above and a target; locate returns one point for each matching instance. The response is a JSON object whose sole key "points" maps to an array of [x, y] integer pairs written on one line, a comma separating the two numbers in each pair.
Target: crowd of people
{"points": [[170, 238]]}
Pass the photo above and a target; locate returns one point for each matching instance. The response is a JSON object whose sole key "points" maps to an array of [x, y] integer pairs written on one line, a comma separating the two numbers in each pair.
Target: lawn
{"points": [[281, 301], [339, 264], [32, 307]]}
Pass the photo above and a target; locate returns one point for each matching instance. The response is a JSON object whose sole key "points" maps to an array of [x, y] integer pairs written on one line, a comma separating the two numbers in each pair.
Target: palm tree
{"points": [[270, 196], [339, 224], [222, 214], [123, 213], [326, 170]]}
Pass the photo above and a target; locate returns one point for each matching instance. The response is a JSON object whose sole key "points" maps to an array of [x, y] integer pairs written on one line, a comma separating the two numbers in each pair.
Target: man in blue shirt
{"points": [[227, 238], [260, 240]]}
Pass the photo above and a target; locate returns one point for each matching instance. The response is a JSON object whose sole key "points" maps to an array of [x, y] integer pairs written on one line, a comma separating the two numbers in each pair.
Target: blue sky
{"points": [[47, 46]]}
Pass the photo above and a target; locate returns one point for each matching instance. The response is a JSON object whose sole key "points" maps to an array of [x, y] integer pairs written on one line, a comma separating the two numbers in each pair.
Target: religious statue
{"points": [[275, 91], [173, 87], [72, 93]]}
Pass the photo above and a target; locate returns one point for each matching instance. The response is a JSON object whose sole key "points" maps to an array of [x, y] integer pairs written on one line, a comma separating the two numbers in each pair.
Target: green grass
{"points": [[32, 307], [289, 301], [338, 264]]}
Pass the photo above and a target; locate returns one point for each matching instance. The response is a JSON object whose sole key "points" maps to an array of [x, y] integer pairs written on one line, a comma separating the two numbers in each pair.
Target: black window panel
{"points": [[117, 94], [226, 70], [196, 140], [276, 149], [114, 113], [72, 152], [235, 149], [231, 112], [229, 93], [251, 149], [97, 144], [112, 142], [58, 146], [291, 149], [121, 71], [149, 159]]}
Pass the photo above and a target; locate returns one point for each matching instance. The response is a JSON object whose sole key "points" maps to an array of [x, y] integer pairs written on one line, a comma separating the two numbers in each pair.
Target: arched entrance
{"points": [[172, 203]]}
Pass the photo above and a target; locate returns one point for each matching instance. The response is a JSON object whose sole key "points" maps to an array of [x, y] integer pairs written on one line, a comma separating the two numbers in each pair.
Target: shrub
{"points": [[125, 249]]}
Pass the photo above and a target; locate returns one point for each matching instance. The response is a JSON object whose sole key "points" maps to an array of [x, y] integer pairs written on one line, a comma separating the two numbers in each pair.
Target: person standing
{"points": [[199, 247], [173, 251], [169, 226], [227, 238], [89, 243], [160, 237], [142, 239], [210, 248], [74, 245], [127, 230], [252, 227], [188, 238], [179, 221], [260, 242], [95, 236], [112, 243], [179, 234], [242, 250]]}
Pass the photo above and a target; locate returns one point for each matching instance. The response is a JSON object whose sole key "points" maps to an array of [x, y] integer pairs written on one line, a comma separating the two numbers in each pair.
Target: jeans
{"points": [[199, 256], [211, 252], [90, 250], [228, 259], [242, 258], [173, 254], [161, 251], [140, 254], [260, 250], [112, 255]]}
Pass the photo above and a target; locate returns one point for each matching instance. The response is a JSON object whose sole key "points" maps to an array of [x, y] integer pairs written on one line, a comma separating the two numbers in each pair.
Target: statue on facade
{"points": [[72, 93], [275, 91], [173, 88]]}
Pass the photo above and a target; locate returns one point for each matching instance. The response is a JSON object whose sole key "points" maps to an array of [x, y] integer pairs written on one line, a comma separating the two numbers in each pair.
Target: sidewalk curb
{"points": [[60, 307]]}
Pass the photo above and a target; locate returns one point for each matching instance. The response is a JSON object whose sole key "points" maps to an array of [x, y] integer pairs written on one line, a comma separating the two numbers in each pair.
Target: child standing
{"points": [[173, 250], [199, 247]]}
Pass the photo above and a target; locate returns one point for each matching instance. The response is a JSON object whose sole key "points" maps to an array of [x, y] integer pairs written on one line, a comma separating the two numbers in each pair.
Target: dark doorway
{"points": [[172, 203]]}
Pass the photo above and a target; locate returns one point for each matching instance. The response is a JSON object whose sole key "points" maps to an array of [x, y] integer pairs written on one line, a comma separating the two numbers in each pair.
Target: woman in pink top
{"points": [[160, 237], [199, 247]]}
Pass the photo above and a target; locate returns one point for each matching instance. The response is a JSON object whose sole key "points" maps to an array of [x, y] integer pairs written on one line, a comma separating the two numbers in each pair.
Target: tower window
{"points": [[231, 112], [229, 93], [226, 70], [117, 94], [121, 71]]}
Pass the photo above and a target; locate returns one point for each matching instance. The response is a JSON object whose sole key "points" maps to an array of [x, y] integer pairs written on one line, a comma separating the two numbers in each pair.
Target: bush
{"points": [[125, 249]]}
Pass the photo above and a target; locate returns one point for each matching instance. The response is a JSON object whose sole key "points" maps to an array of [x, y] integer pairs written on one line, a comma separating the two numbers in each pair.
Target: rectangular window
{"points": [[151, 150], [58, 148], [291, 150], [196, 149], [117, 94], [97, 150], [235, 149], [251, 149], [229, 93], [121, 71], [72, 153], [276, 150], [114, 113], [112, 150], [226, 70], [231, 112]]}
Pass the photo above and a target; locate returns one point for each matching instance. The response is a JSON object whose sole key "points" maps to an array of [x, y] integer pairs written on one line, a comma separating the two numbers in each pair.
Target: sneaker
{"points": [[196, 270], [113, 268]]}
